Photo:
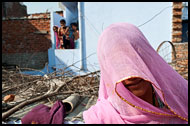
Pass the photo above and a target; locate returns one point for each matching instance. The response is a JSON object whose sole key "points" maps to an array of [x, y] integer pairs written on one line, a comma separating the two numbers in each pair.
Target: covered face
{"points": [[124, 54], [139, 87]]}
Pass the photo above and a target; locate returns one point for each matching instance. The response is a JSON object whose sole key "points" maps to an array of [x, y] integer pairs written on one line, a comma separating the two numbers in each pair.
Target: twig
{"points": [[27, 86], [21, 105]]}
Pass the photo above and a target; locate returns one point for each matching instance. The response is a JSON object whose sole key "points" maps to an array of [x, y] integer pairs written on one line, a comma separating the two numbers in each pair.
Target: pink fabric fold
{"points": [[124, 52]]}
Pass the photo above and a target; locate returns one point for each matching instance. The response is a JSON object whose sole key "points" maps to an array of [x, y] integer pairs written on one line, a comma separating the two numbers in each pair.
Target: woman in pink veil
{"points": [[136, 86]]}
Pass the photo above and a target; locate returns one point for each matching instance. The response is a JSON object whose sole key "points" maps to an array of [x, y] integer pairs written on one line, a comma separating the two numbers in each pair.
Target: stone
{"points": [[9, 98]]}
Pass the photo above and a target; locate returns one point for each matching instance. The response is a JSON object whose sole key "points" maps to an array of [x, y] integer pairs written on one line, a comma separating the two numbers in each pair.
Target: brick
{"points": [[9, 98], [176, 40], [177, 33], [181, 48], [177, 20], [177, 5], [176, 17], [177, 13], [177, 26], [176, 37]]}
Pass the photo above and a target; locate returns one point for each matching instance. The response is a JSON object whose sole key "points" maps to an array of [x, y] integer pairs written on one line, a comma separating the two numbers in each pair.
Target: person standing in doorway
{"points": [[55, 29], [75, 34], [63, 32]]}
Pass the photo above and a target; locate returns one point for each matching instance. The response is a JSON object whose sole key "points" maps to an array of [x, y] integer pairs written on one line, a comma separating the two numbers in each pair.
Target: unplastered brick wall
{"points": [[43, 15], [26, 40], [177, 22], [30, 35], [181, 65], [13, 9]]}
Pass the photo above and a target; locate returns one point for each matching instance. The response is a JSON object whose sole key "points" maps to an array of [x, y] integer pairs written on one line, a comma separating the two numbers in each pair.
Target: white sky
{"points": [[41, 7]]}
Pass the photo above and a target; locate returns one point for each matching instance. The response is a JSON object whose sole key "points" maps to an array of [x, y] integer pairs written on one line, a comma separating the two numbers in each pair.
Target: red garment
{"points": [[43, 114]]}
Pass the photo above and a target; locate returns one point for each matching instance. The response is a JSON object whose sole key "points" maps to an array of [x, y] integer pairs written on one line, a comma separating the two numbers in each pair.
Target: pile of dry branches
{"points": [[34, 88]]}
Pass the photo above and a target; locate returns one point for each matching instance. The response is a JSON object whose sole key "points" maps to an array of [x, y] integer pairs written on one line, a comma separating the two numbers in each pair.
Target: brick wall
{"points": [[25, 41], [26, 36], [13, 9], [43, 15], [39, 15], [177, 22], [181, 61]]}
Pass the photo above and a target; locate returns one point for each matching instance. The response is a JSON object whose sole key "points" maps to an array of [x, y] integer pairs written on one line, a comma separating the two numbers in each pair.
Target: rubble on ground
{"points": [[29, 91]]}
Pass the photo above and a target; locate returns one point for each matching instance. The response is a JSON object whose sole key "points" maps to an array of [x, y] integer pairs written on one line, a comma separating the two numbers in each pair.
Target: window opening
{"points": [[67, 34]]}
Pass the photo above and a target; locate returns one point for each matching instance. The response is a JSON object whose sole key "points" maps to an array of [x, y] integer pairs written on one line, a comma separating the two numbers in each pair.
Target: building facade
{"points": [[25, 38], [94, 17]]}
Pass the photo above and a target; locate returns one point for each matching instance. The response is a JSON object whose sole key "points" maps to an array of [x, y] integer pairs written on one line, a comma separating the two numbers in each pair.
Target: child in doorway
{"points": [[55, 29], [63, 33], [75, 34]]}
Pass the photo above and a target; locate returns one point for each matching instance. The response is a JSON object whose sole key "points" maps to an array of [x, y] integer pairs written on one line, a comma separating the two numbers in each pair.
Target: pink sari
{"points": [[124, 52], [57, 39]]}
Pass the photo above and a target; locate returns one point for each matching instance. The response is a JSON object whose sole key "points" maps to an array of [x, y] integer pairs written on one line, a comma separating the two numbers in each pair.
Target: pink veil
{"points": [[124, 52]]}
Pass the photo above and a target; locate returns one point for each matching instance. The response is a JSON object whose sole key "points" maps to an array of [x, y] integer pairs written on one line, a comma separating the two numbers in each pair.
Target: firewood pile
{"points": [[25, 89]]}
